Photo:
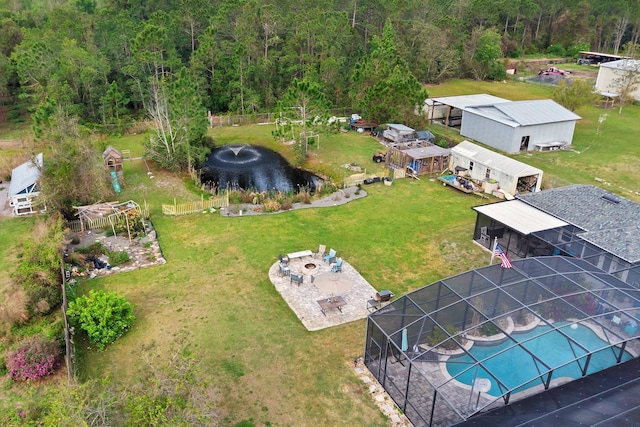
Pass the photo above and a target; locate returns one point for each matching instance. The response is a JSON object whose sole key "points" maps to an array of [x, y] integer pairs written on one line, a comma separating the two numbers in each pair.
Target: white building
{"points": [[616, 74], [498, 172], [24, 188], [520, 125]]}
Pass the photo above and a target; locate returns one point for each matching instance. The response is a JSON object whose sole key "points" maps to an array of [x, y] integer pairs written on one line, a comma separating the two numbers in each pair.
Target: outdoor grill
{"points": [[383, 296]]}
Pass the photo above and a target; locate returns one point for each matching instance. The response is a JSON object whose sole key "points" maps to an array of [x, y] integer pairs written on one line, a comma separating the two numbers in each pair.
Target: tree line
{"points": [[103, 60]]}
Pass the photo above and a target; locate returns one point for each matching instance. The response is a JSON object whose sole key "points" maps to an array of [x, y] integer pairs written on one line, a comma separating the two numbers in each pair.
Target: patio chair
{"points": [[283, 259], [330, 256], [336, 266], [284, 270], [296, 278], [321, 250]]}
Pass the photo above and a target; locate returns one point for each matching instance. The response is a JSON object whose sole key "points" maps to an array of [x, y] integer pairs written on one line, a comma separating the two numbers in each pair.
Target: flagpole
{"points": [[493, 250]]}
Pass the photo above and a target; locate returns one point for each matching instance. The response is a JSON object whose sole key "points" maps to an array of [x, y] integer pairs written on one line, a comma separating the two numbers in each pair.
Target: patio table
{"points": [[331, 303]]}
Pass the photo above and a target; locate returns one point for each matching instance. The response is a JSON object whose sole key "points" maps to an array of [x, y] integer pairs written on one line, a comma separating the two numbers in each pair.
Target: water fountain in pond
{"points": [[254, 167]]}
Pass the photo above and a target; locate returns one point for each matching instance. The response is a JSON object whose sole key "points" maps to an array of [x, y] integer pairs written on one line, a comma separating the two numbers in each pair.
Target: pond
{"points": [[252, 167]]}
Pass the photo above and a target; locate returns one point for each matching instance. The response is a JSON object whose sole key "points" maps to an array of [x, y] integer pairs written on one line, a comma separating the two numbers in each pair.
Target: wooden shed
{"points": [[414, 162]]}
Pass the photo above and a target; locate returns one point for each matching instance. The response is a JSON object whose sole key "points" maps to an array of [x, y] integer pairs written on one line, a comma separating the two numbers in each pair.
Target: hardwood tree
{"points": [[579, 93], [179, 122]]}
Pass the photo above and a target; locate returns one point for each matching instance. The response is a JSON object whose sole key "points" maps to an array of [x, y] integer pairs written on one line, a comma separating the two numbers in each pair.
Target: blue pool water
{"points": [[515, 367]]}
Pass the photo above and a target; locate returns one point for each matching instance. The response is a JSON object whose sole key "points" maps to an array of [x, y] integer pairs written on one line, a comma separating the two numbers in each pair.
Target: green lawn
{"points": [[263, 365]]}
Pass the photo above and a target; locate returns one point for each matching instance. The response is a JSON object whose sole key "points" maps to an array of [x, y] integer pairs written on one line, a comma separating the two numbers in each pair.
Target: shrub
{"points": [[271, 206], [556, 49], [34, 358], [94, 249], [103, 316], [118, 257]]}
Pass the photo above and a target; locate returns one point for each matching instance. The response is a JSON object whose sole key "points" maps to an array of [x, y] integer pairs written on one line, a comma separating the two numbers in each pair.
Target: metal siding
{"points": [[607, 81], [488, 132], [550, 132]]}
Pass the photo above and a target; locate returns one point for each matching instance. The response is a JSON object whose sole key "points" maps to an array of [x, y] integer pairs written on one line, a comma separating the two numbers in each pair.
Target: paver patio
{"points": [[303, 298]]}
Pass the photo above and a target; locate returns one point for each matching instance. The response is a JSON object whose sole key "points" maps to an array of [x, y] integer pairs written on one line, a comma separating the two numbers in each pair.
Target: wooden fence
{"points": [[195, 207], [359, 178], [102, 223]]}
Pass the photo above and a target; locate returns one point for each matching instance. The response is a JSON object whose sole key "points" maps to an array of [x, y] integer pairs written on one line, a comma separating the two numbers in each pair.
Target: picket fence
{"points": [[359, 178], [101, 223], [195, 207]]}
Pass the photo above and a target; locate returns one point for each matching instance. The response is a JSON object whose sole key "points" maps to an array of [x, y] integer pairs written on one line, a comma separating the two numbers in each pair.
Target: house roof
{"points": [[465, 101], [25, 175], [609, 220], [495, 161], [525, 113], [623, 64], [520, 216], [426, 152]]}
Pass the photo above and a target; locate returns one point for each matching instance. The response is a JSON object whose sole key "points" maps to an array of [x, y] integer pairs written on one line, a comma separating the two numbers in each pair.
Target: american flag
{"points": [[499, 252]]}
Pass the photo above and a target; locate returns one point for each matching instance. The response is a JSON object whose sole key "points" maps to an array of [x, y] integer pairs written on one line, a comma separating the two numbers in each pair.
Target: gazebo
{"points": [[112, 214]]}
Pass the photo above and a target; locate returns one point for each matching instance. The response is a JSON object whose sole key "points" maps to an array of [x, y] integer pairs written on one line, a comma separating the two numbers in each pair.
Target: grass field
{"points": [[265, 367]]}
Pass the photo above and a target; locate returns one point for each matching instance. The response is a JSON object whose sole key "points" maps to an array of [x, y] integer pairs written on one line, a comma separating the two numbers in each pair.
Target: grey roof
{"points": [[495, 161], [465, 101], [610, 221], [526, 113], [25, 175], [400, 127], [426, 152], [623, 64]]}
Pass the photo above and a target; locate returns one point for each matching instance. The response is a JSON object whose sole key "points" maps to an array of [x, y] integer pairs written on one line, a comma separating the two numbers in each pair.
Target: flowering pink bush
{"points": [[36, 357]]}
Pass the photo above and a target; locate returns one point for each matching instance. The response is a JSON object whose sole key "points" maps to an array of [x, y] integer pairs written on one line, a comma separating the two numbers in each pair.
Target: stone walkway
{"points": [[303, 298]]}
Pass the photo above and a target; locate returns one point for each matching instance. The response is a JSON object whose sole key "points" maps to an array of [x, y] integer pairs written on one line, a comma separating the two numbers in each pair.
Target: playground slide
{"points": [[115, 183]]}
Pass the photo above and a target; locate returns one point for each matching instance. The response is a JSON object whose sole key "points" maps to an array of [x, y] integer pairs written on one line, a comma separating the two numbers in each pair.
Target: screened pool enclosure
{"points": [[482, 339]]}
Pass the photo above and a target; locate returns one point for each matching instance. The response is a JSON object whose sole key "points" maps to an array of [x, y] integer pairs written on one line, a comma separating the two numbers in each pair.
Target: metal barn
{"points": [[520, 125]]}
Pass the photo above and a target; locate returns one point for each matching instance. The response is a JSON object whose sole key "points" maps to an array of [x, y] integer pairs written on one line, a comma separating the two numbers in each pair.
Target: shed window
{"points": [[487, 174], [470, 166]]}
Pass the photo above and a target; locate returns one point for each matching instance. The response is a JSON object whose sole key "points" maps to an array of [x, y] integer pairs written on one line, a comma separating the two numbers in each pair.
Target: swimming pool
{"points": [[515, 367]]}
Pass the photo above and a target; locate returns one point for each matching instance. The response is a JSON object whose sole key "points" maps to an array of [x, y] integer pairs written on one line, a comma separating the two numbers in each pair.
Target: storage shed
{"points": [[520, 125], [616, 74], [399, 133], [414, 162], [497, 172], [24, 188]]}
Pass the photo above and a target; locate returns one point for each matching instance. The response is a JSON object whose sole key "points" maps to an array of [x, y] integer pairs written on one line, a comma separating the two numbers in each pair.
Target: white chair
{"points": [[321, 250]]}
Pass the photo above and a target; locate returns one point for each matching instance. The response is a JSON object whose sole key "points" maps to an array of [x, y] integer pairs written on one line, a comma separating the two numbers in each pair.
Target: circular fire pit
{"points": [[310, 268]]}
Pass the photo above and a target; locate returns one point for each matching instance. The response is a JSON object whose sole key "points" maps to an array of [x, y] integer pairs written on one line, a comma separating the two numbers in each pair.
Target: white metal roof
{"points": [[24, 176], [623, 64], [525, 113], [464, 101], [399, 127], [520, 216], [495, 161]]}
